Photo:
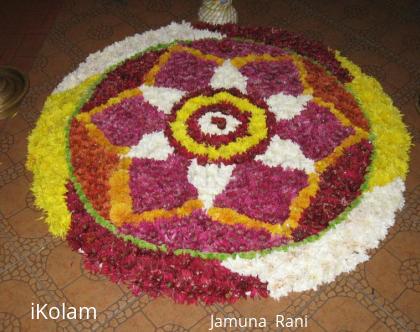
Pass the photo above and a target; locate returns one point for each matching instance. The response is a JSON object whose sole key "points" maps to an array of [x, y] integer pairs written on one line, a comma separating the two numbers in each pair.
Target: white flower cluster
{"points": [[210, 128], [210, 180], [227, 76], [152, 146], [162, 98], [287, 154]]}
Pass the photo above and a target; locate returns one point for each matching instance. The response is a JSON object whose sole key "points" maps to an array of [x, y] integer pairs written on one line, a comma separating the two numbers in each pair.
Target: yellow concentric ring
{"points": [[257, 128]]}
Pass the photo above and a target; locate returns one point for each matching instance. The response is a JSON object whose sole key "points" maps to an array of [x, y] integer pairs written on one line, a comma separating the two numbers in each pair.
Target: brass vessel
{"points": [[13, 87]]}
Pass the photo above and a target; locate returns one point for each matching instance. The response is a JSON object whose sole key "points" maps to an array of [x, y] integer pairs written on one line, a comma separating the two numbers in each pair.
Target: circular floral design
{"points": [[198, 155], [235, 162], [212, 119]]}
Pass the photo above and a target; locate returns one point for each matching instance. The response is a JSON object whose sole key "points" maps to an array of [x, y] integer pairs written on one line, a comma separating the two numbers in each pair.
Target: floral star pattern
{"points": [[195, 165]]}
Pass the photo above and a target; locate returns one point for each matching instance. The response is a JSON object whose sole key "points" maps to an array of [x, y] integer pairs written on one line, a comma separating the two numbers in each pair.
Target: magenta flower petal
{"points": [[229, 48], [316, 130], [269, 78], [200, 232], [157, 184], [185, 72], [126, 123], [262, 192]]}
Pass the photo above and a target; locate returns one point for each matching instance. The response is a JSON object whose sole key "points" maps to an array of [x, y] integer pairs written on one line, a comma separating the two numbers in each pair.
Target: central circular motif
{"points": [[220, 120], [219, 148], [222, 126]]}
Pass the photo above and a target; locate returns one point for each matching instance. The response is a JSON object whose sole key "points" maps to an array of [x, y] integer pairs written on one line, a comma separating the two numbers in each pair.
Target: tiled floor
{"points": [[383, 36]]}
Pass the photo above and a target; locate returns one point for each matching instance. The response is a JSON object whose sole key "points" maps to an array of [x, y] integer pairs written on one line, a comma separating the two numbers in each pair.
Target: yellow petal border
{"points": [[47, 155], [391, 139]]}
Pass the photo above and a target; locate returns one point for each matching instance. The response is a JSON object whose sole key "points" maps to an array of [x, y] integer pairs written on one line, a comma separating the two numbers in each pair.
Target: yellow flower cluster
{"points": [[231, 217], [257, 128], [119, 193], [241, 61], [301, 202], [390, 137], [47, 155]]}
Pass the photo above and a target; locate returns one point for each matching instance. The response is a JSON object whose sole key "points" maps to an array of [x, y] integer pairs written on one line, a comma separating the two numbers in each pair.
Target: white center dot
{"points": [[218, 123]]}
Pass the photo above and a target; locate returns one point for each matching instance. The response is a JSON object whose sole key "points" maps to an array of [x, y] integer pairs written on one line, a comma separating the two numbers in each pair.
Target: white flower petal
{"points": [[210, 180], [228, 76], [286, 107], [152, 146], [287, 154], [208, 127], [162, 98]]}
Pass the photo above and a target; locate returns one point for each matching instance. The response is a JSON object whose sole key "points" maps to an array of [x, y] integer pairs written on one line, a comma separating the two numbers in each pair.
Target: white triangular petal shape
{"points": [[162, 98], [210, 180], [286, 107], [228, 76], [287, 154], [152, 146]]}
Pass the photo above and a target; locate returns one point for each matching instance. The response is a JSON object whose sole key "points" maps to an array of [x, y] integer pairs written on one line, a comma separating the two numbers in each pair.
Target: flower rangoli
{"points": [[220, 164]]}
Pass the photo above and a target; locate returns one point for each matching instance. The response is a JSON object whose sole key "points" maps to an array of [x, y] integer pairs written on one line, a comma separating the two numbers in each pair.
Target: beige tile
{"points": [[341, 313], [63, 265], [15, 125], [267, 308], [29, 223], [13, 196], [179, 314], [18, 150], [5, 162], [98, 294], [405, 245], [36, 325], [379, 327], [313, 326], [409, 303], [16, 297], [382, 272], [138, 322]]}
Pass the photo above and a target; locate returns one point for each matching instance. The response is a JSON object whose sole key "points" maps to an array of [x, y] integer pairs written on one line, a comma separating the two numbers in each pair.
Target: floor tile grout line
{"points": [[391, 253], [22, 257], [47, 291], [399, 295], [128, 305], [372, 298], [315, 297], [373, 324], [34, 250], [74, 324]]}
